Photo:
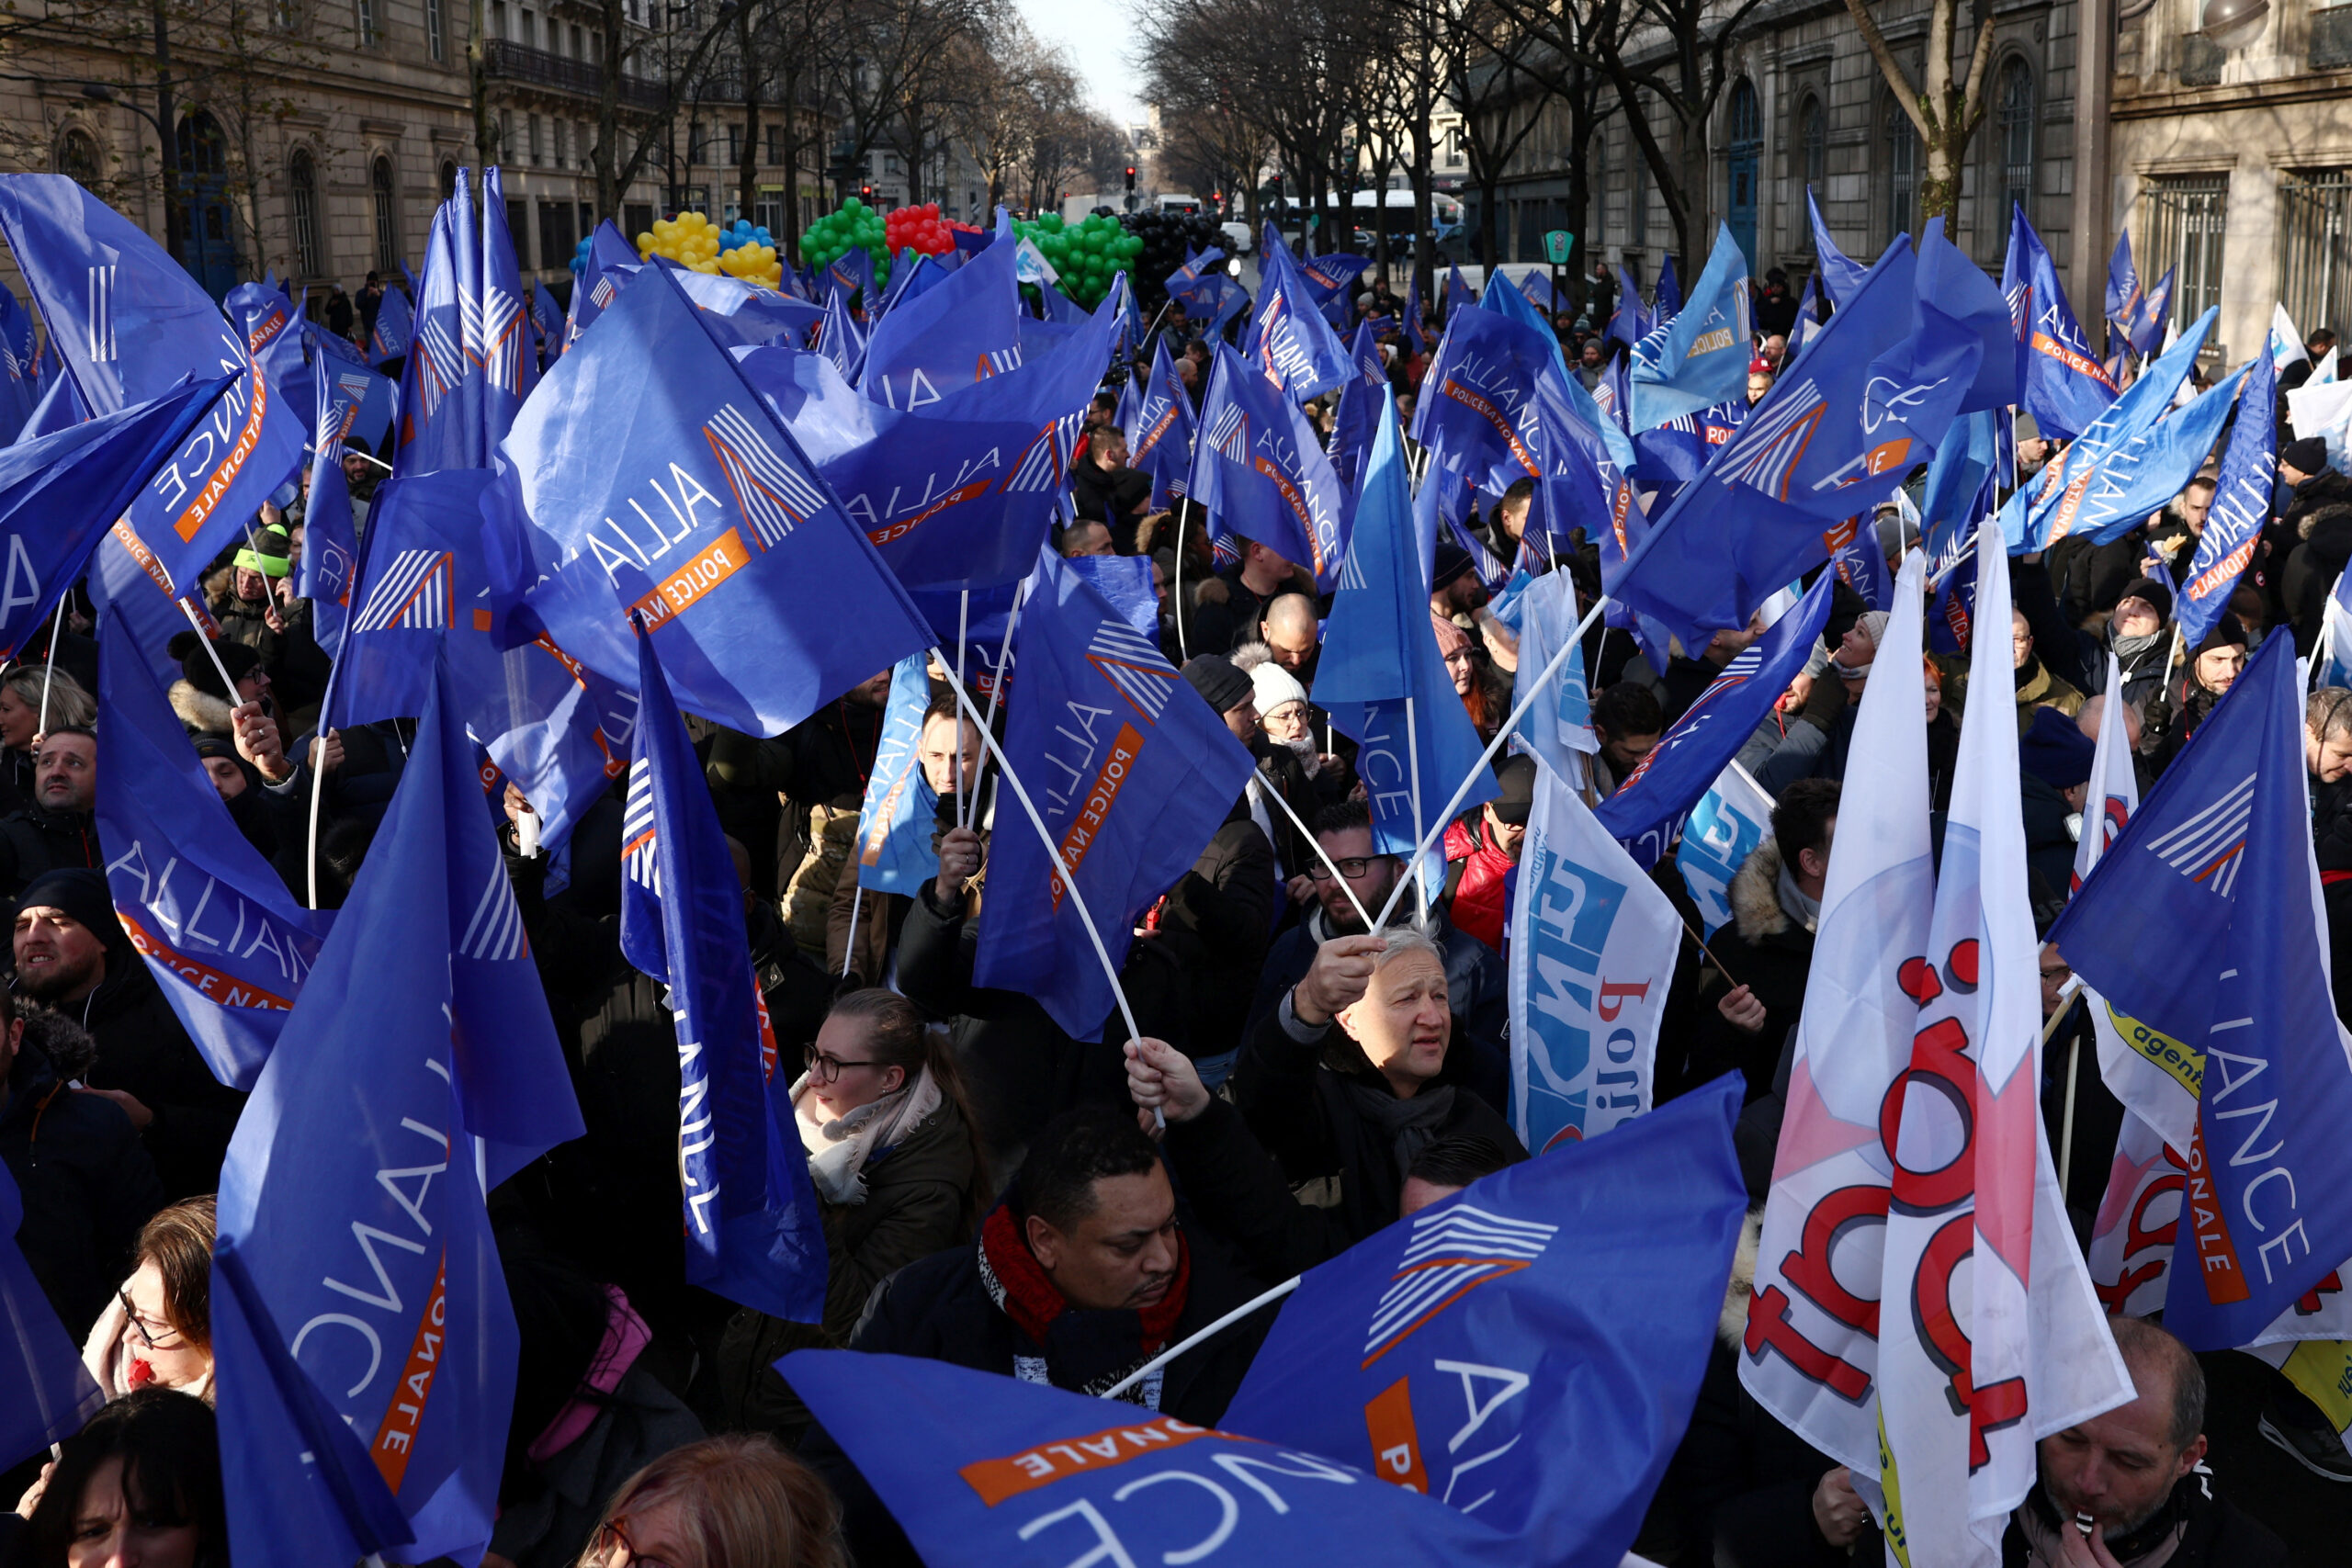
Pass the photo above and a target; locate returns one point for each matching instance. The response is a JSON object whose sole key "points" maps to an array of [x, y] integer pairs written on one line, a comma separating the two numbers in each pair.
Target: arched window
{"points": [[448, 178], [302, 188], [1813, 136], [2016, 141], [1902, 170], [1747, 123], [388, 217], [77, 156]]}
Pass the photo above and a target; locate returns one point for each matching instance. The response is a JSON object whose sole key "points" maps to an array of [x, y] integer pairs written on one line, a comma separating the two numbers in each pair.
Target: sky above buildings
{"points": [[1097, 35]]}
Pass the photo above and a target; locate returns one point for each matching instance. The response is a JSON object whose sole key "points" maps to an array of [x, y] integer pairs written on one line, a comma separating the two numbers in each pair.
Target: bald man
{"points": [[1294, 634]]}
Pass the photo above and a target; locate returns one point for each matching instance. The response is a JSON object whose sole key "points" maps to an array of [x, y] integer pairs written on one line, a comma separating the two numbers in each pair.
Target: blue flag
{"points": [[2060, 382], [2037, 516], [546, 321], [498, 322], [1951, 502], [330, 564], [1698, 355], [228, 945], [965, 330], [1458, 296], [60, 496], [273, 339], [1858, 556], [611, 262], [1669, 290], [1380, 676], [1131, 774], [1289, 339], [443, 391], [1869, 398], [356, 1278], [1630, 322], [394, 322], [1840, 276], [752, 1231], [1207, 292], [19, 379], [2241, 507], [840, 339], [1159, 435], [421, 575], [1648, 808], [2123, 296], [1259, 468], [370, 401], [683, 500], [2202, 921], [2146, 329], [1362, 398], [1529, 1350], [850, 276], [131, 324], [46, 1393], [2136, 477], [896, 819], [973, 1464]]}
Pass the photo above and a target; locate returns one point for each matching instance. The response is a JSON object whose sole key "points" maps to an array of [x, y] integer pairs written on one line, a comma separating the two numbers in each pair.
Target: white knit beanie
{"points": [[1275, 686]]}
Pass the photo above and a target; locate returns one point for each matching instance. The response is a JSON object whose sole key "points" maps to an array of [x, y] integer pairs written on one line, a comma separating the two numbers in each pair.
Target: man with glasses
{"points": [[2038, 685], [1323, 963]]}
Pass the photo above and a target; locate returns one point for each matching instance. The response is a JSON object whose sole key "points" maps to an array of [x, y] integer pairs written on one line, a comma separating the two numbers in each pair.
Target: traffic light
{"points": [[865, 193], [1131, 177]]}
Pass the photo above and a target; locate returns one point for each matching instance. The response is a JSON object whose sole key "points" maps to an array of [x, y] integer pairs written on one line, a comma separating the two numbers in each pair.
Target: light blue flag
{"points": [[364, 1349], [1380, 663], [442, 388], [2060, 382], [2241, 507], [2036, 517], [1558, 723], [1726, 824], [2143, 474], [840, 339], [330, 564], [1159, 435], [1839, 274], [498, 322], [394, 322], [896, 819], [1357, 417], [1701, 355]]}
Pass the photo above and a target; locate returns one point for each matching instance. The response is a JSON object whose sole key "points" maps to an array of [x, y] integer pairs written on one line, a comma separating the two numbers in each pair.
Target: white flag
{"points": [[2285, 343], [1991, 1337], [1593, 942], [1560, 721]]}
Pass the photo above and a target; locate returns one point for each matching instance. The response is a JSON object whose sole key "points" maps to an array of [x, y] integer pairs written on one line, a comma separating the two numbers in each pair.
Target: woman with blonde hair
{"points": [[731, 1502], [22, 692]]}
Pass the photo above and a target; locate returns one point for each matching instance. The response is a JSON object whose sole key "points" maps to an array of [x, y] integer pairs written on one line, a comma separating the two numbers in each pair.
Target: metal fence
{"points": [[2186, 215], [2315, 269]]}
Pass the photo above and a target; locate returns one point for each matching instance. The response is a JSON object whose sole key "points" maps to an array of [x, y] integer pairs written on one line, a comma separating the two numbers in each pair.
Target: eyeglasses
{"points": [[1351, 867], [611, 1548], [169, 1339], [823, 1068]]}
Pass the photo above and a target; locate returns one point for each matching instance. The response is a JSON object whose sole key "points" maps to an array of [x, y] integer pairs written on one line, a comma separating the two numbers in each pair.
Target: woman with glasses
{"points": [[735, 1502], [896, 1164], [158, 1330]]}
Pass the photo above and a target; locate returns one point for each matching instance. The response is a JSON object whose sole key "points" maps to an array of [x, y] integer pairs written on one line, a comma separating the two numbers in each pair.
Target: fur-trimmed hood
{"points": [[68, 1045], [202, 712], [1755, 896], [1731, 1327]]}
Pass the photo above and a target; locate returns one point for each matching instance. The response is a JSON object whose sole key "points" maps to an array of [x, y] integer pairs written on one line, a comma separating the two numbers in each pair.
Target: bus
{"points": [[1393, 210]]}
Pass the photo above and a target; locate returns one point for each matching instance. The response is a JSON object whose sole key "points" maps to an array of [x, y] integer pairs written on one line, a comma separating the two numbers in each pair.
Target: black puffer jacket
{"points": [[1766, 950], [85, 1183], [34, 840]]}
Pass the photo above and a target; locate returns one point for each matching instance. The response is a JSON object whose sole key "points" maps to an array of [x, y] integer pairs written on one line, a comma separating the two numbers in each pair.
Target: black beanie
{"points": [[2308, 455], [1220, 682], [2156, 593], [81, 893], [196, 665]]}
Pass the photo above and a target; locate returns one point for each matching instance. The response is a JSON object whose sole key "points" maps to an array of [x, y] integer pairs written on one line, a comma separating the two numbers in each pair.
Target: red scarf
{"points": [[1033, 1303]]}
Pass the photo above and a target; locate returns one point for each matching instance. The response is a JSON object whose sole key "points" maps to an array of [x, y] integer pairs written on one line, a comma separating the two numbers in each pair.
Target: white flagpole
{"points": [[1227, 1321], [318, 777], [1046, 837], [1487, 757], [1413, 869], [49, 669], [1268, 792], [856, 898], [996, 690], [962, 623]]}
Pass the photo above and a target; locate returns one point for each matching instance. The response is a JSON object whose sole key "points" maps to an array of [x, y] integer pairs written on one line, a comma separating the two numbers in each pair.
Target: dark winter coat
{"points": [[86, 1184], [1216, 925], [34, 840], [1296, 1098], [1766, 950]]}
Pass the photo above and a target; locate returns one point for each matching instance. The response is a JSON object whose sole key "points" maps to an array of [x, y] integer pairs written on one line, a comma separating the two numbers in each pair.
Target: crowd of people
{"points": [[1004, 1195]]}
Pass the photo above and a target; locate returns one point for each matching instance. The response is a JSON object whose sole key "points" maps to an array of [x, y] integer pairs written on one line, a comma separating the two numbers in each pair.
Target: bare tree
{"points": [[626, 142], [1945, 108]]}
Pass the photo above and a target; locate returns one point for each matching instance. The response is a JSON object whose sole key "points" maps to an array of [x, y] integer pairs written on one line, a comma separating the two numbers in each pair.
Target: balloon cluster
{"points": [[691, 240], [918, 229], [1087, 255], [1166, 237], [851, 224], [580, 256]]}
